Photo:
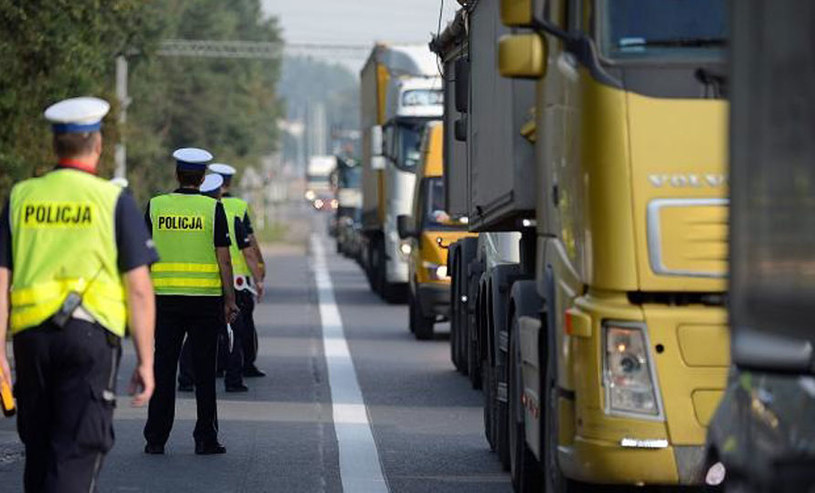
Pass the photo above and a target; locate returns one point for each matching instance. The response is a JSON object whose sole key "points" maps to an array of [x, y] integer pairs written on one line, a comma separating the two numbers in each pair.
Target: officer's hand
{"points": [[231, 311], [142, 385]]}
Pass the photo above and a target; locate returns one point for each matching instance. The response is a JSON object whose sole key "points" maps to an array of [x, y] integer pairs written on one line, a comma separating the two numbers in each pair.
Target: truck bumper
{"points": [[434, 299], [608, 463]]}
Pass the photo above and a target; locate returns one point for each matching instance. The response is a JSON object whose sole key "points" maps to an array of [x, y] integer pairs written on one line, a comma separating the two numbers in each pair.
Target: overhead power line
{"points": [[252, 49]]}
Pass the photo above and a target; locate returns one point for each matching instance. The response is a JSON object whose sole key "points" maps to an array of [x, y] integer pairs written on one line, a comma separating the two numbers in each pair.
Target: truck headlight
{"points": [[627, 373], [435, 271], [405, 248]]}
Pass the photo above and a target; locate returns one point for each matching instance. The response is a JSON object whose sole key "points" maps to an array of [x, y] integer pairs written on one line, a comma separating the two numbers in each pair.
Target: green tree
{"points": [[51, 50], [227, 106]]}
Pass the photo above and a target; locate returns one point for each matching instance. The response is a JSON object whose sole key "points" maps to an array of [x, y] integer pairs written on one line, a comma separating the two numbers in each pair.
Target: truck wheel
{"points": [[455, 301], [489, 406], [465, 320], [420, 325], [465, 251], [411, 302], [393, 293], [464, 338], [501, 417], [553, 478], [474, 342], [371, 262], [379, 267], [524, 468]]}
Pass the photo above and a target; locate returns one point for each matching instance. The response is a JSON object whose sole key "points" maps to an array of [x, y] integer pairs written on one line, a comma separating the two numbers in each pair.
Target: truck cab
{"points": [[429, 231], [400, 93], [616, 380], [319, 191]]}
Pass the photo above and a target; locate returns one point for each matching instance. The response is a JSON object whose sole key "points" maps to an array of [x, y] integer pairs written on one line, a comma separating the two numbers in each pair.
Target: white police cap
{"points": [[192, 158], [222, 169], [77, 115], [212, 182], [120, 182]]}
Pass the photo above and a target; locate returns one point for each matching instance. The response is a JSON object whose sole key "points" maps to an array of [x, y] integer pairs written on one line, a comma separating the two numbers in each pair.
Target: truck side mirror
{"points": [[462, 85], [522, 56], [460, 129], [522, 13], [376, 140], [404, 225]]}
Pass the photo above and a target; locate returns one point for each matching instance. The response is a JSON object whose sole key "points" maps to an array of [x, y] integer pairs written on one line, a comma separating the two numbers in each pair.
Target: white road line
{"points": [[360, 468]]}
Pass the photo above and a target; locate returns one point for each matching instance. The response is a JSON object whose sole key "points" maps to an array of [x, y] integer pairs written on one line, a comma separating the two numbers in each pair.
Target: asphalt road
{"points": [[425, 421]]}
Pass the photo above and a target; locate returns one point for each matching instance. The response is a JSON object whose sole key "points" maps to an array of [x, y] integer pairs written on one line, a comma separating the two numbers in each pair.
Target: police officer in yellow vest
{"points": [[74, 254], [211, 187], [248, 276], [194, 297], [249, 285]]}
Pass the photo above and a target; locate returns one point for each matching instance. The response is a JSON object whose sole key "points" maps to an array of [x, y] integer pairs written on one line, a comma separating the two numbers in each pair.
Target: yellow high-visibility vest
{"points": [[183, 231], [236, 208], [64, 240]]}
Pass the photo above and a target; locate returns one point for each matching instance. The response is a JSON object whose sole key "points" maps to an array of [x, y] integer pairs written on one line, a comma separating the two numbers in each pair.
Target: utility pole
{"points": [[124, 102]]}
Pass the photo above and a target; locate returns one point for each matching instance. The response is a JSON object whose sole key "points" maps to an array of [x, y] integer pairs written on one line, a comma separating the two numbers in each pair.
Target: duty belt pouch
{"points": [[95, 429], [66, 311]]}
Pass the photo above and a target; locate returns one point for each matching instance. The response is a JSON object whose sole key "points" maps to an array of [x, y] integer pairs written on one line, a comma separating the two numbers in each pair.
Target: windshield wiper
{"points": [[672, 42]]}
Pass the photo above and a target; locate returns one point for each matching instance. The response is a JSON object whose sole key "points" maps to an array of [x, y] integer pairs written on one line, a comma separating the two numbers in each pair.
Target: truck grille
{"points": [[688, 237]]}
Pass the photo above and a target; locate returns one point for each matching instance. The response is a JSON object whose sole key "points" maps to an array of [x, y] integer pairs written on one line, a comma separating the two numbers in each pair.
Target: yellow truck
{"points": [[618, 349], [430, 231]]}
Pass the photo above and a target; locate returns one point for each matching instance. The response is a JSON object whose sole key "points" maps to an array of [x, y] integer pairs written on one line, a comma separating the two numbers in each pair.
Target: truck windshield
{"points": [[435, 215], [664, 29], [407, 145], [422, 97]]}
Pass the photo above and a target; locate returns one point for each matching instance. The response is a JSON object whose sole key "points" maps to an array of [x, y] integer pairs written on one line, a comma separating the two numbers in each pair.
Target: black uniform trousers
{"points": [[65, 393], [231, 362], [250, 340], [174, 320], [243, 338]]}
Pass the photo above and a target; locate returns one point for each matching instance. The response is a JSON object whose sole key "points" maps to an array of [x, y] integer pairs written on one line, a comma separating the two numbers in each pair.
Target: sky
{"points": [[359, 22]]}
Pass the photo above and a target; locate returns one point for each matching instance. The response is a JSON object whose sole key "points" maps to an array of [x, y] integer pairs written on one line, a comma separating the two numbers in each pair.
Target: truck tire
{"points": [[524, 467], [455, 302], [393, 293], [553, 478], [489, 407], [371, 262], [467, 254], [496, 336], [516, 297], [474, 330], [378, 262], [420, 325]]}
